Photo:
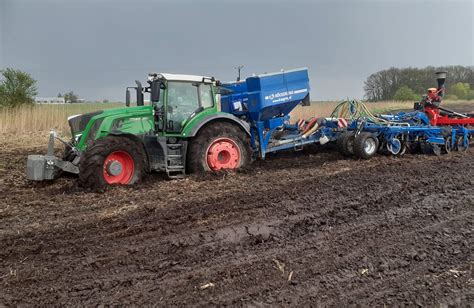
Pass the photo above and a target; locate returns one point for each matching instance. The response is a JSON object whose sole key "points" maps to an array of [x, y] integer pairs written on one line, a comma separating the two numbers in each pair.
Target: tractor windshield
{"points": [[184, 99]]}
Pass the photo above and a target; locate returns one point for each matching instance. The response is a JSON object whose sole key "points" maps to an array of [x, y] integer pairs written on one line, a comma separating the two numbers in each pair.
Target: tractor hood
{"points": [[85, 128], [78, 123]]}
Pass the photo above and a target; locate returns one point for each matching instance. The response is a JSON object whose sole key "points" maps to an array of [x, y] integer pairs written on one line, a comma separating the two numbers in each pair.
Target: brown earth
{"points": [[297, 229]]}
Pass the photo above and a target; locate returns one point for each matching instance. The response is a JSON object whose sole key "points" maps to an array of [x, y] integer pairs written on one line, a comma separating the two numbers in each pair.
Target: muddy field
{"points": [[311, 228]]}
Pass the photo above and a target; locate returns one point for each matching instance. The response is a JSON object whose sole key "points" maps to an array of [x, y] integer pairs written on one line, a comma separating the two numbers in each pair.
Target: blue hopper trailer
{"points": [[265, 101]]}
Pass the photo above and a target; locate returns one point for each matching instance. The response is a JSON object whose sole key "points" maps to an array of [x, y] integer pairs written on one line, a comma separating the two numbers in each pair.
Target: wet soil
{"points": [[299, 229]]}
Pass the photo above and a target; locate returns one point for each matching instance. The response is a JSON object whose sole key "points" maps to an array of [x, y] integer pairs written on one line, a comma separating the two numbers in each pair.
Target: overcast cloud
{"points": [[97, 48]]}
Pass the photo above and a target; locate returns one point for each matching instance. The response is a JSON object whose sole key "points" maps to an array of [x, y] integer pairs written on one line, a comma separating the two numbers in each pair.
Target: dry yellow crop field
{"points": [[41, 118], [27, 119]]}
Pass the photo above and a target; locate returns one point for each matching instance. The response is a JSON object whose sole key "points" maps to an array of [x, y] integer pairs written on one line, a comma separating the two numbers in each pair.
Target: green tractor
{"points": [[182, 129]]}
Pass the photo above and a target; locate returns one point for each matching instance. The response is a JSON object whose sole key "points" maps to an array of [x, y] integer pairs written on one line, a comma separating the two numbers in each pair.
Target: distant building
{"points": [[50, 100]]}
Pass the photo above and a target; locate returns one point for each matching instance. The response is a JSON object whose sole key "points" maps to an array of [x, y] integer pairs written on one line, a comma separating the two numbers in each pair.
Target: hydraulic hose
{"points": [[311, 131], [309, 126], [353, 110]]}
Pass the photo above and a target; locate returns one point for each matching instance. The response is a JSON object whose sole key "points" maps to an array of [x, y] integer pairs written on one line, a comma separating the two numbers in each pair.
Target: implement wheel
{"points": [[112, 160], [365, 145], [396, 147], [460, 146], [447, 148], [345, 144], [426, 148], [218, 146], [414, 147]]}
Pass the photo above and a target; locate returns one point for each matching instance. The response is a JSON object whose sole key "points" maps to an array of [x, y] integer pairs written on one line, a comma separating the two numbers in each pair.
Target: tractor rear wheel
{"points": [[345, 144], [218, 146], [112, 160], [365, 145]]}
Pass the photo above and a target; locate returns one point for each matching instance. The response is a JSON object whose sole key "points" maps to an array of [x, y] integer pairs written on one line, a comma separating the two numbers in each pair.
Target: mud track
{"points": [[311, 228]]}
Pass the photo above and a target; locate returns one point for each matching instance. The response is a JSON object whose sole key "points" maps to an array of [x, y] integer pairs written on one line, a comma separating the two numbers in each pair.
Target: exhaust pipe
{"points": [[441, 77]]}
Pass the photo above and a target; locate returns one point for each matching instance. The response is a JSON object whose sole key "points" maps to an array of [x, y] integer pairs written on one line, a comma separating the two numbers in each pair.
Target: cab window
{"points": [[205, 92], [182, 102]]}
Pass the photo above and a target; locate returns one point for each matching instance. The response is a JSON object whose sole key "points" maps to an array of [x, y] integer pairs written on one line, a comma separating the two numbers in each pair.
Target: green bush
{"points": [[460, 89], [405, 94], [470, 96], [451, 97], [16, 88]]}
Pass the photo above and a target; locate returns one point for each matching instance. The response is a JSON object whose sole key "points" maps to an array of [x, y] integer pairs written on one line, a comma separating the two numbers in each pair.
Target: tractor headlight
{"points": [[77, 138]]}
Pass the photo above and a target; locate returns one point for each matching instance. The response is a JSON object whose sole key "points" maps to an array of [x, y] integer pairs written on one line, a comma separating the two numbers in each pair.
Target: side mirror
{"points": [[155, 91], [140, 101], [127, 98]]}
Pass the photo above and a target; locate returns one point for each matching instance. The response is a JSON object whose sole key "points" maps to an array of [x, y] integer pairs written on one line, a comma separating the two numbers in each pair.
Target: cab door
{"points": [[184, 100]]}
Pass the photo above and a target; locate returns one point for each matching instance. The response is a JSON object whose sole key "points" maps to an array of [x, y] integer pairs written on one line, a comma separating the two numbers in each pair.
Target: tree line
{"points": [[411, 83], [20, 88]]}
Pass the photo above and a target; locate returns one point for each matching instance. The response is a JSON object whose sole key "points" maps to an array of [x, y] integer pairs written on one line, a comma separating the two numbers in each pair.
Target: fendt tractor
{"points": [[182, 128]]}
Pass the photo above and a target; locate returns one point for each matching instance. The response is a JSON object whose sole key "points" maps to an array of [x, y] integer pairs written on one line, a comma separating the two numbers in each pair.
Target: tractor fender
{"points": [[216, 117]]}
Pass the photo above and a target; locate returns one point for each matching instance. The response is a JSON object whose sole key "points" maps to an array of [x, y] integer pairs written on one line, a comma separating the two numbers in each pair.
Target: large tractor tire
{"points": [[365, 145], [112, 160], [345, 144], [218, 146]]}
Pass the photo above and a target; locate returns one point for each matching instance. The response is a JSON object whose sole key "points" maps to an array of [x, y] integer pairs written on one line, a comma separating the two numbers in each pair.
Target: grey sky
{"points": [[96, 48]]}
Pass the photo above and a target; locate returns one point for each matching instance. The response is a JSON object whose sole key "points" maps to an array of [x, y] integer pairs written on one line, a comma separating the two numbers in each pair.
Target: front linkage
{"points": [[49, 167]]}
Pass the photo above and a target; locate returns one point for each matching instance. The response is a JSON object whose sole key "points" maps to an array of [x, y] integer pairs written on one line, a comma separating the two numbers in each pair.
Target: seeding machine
{"points": [[198, 124], [430, 128]]}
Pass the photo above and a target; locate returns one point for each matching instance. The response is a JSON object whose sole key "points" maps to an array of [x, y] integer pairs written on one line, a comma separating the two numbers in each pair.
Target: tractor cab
{"points": [[176, 99]]}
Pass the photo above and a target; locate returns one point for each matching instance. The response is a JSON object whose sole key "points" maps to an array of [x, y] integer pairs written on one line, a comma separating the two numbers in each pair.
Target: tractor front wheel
{"points": [[112, 160], [218, 146]]}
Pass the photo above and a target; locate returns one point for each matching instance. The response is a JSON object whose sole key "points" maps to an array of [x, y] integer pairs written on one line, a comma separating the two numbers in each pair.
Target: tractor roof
{"points": [[179, 77]]}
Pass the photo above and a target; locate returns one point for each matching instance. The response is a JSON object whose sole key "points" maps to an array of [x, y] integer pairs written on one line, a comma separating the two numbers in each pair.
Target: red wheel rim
{"points": [[223, 153], [118, 168]]}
